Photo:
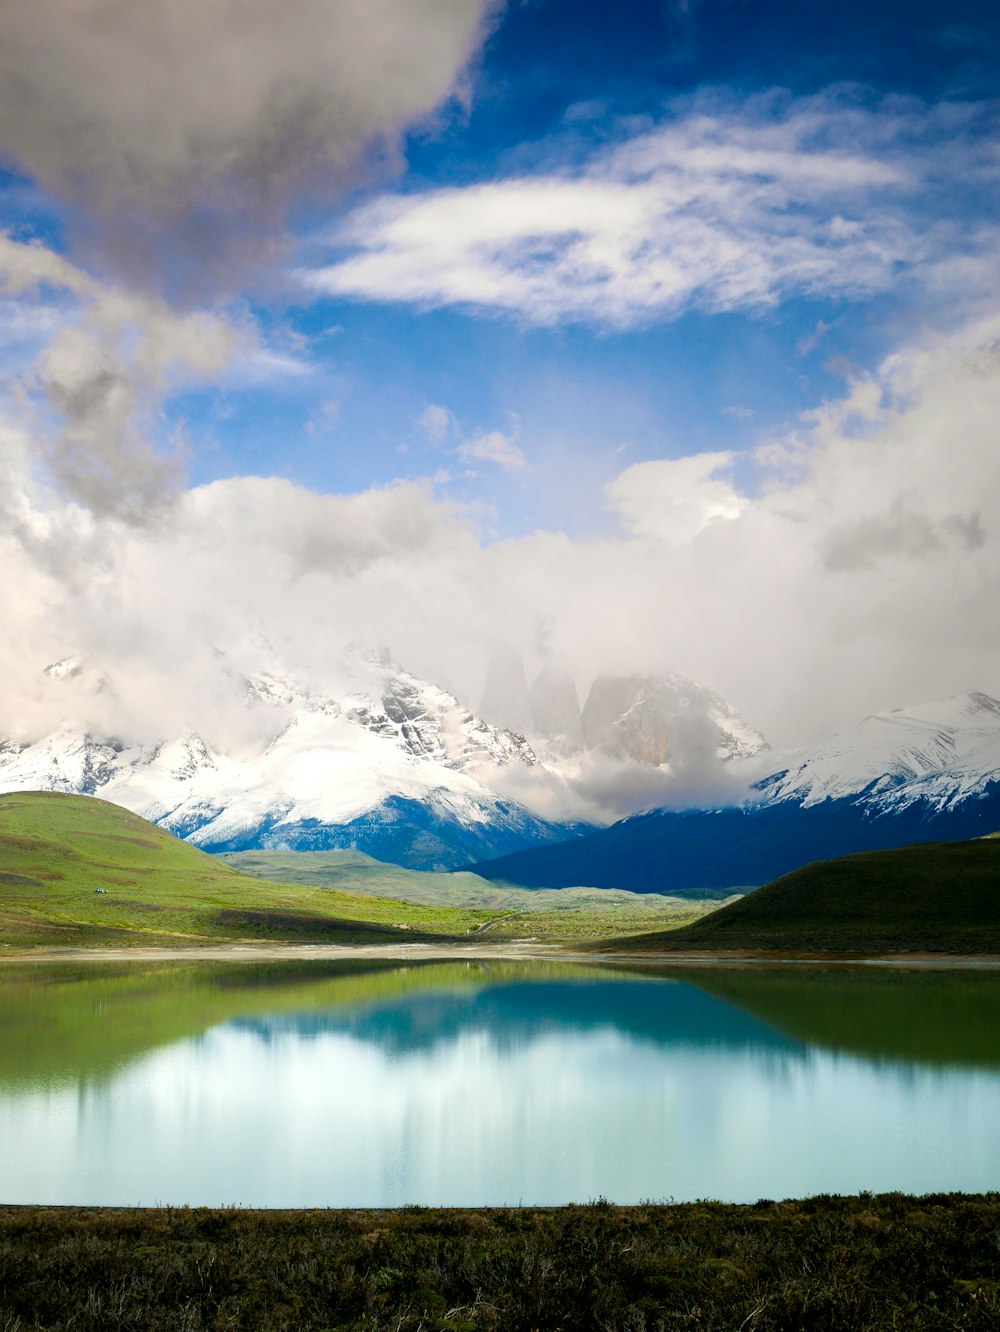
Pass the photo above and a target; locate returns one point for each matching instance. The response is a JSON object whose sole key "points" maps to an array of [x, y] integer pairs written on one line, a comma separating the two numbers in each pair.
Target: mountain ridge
{"points": [[390, 764], [847, 794]]}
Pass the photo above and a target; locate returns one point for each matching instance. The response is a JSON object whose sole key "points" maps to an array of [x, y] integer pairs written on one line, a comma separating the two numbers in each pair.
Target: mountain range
{"points": [[921, 774], [390, 764], [397, 767]]}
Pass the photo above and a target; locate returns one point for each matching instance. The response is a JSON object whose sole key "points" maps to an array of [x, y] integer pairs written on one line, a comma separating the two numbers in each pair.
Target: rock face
{"points": [[555, 712], [506, 701], [656, 719], [630, 717]]}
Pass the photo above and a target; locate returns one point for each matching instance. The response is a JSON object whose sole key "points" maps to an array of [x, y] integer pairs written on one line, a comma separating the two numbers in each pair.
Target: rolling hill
{"points": [[939, 897], [75, 870]]}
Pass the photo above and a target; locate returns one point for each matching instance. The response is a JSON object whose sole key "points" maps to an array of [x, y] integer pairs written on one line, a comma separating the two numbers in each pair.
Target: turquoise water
{"points": [[471, 1085]]}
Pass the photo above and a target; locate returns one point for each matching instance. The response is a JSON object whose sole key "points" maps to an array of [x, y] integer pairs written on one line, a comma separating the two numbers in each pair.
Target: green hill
{"points": [[353, 871], [76, 871], [936, 897], [568, 913]]}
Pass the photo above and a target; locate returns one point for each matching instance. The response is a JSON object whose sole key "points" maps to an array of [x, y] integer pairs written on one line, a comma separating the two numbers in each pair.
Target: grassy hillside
{"points": [[935, 897], [353, 871], [544, 913], [57, 851]]}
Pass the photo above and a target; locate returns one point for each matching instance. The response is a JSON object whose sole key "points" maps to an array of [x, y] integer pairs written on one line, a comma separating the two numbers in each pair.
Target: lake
{"points": [[344, 1085]]}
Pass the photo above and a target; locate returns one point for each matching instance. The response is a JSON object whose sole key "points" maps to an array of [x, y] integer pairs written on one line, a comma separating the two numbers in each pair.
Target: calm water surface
{"points": [[466, 1084]]}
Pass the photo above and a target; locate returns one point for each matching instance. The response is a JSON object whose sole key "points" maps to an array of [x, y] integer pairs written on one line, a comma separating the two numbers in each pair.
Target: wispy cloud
{"points": [[441, 425], [494, 447], [436, 422], [724, 206]]}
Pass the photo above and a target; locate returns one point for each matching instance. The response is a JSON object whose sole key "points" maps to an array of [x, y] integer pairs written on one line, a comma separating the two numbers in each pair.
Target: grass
{"points": [[939, 897], [353, 871], [547, 914], [859, 1263], [57, 851]]}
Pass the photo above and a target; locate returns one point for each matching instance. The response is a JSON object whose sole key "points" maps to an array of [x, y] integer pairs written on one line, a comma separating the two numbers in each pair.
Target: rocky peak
{"points": [[555, 711], [506, 701], [429, 722], [655, 719]]}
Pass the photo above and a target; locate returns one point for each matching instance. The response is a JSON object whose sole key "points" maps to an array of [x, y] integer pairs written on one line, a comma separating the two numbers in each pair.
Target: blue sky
{"points": [[556, 84], [562, 310], [582, 392]]}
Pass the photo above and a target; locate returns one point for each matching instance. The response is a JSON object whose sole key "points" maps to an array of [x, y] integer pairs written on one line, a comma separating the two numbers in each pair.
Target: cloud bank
{"points": [[725, 205], [861, 572]]}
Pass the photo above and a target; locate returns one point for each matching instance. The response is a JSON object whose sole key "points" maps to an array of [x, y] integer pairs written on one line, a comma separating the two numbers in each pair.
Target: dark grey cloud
{"points": [[900, 532], [185, 129], [182, 132], [93, 393]]}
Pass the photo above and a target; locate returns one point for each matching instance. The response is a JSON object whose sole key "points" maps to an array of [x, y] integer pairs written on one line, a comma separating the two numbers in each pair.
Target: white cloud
{"points": [[861, 570], [436, 422], [324, 419], [494, 447], [675, 499], [724, 206]]}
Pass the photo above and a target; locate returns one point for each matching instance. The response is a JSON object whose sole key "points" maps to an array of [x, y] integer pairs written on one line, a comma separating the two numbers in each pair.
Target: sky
{"points": [[647, 337]]}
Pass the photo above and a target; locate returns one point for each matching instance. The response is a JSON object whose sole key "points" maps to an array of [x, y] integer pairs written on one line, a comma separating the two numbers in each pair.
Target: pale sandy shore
{"points": [[464, 952]]}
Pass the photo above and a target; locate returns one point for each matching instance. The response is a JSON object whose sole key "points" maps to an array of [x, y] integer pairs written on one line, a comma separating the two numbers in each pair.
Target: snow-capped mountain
{"points": [[939, 753], [397, 767], [919, 774], [387, 763]]}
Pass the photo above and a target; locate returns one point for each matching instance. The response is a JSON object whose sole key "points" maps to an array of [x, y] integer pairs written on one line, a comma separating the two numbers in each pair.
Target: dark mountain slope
{"points": [[701, 853]]}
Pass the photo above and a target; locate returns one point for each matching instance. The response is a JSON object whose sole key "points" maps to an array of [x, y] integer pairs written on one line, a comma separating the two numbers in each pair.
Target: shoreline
{"points": [[505, 952]]}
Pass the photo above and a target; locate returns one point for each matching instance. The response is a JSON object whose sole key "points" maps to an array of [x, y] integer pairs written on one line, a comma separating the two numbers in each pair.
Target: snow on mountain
{"points": [[395, 741], [66, 760], [922, 774], [940, 753]]}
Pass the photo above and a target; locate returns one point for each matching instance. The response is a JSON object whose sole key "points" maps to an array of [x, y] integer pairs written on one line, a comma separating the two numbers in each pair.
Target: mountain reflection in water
{"points": [[320, 1084]]}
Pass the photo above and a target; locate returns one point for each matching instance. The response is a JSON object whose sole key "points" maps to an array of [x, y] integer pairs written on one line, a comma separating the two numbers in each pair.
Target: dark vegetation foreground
{"points": [[889, 1261]]}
